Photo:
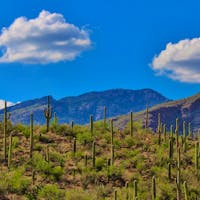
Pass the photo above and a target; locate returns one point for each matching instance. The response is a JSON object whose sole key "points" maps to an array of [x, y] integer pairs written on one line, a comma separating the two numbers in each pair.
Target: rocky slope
{"points": [[187, 109]]}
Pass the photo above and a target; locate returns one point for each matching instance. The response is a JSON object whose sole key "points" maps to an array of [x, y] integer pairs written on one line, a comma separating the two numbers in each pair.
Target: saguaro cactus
{"points": [[115, 195], [111, 130], [135, 190], [131, 123], [185, 190], [10, 151], [171, 149], [112, 154], [5, 131], [31, 136], [165, 131], [74, 146], [104, 121], [159, 129], [94, 155], [197, 156], [153, 188], [177, 133], [171, 131], [169, 171], [127, 190], [147, 119], [85, 160], [55, 119], [91, 125], [48, 113]]}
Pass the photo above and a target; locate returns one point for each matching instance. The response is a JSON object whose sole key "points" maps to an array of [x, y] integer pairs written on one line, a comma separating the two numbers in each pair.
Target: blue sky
{"points": [[119, 40]]}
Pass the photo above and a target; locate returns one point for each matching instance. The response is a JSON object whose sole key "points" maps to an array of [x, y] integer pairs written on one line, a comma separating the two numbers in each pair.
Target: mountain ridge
{"points": [[78, 108]]}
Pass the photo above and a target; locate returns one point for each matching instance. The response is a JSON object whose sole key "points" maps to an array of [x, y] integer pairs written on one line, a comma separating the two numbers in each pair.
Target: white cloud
{"points": [[2, 104], [180, 61], [45, 39]]}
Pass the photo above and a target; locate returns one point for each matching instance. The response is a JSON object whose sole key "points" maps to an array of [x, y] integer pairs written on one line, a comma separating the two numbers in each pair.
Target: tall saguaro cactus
{"points": [[10, 151], [147, 119], [5, 131], [104, 121], [177, 133], [93, 155], [135, 190], [159, 129], [197, 156], [48, 113], [31, 136], [111, 130], [131, 123], [91, 125], [153, 188]]}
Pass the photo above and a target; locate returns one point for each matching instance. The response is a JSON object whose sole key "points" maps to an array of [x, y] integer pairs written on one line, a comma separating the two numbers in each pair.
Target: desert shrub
{"points": [[100, 163], [51, 192], [56, 172], [14, 181], [40, 164], [25, 130], [84, 137]]}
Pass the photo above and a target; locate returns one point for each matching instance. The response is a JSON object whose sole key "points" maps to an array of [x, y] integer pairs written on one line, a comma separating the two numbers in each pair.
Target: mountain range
{"points": [[79, 108], [119, 103]]}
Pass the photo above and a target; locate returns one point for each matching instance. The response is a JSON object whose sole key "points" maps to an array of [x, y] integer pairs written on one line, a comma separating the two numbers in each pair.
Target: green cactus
{"points": [[185, 190], [179, 159], [112, 132], [5, 131], [135, 190], [189, 130], [171, 149], [178, 193], [115, 195], [104, 121], [147, 119], [127, 191], [93, 155], [112, 154], [74, 146], [197, 156], [159, 129], [171, 131], [91, 125], [153, 188], [31, 137], [33, 177], [48, 113], [10, 151], [165, 132], [184, 130], [169, 171], [131, 123], [108, 169], [55, 119], [177, 133]]}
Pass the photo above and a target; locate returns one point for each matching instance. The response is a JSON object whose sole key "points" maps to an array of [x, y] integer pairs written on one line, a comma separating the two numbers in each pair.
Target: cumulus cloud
{"points": [[45, 39], [180, 61]]}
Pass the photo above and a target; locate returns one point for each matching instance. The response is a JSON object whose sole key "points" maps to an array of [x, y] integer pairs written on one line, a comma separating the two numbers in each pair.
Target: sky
{"points": [[69, 47]]}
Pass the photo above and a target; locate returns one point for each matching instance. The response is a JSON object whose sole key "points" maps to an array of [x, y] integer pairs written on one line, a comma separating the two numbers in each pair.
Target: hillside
{"points": [[105, 165], [187, 109], [79, 108]]}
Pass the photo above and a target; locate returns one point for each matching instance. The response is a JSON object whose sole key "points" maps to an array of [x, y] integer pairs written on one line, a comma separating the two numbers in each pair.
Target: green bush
{"points": [[51, 192]]}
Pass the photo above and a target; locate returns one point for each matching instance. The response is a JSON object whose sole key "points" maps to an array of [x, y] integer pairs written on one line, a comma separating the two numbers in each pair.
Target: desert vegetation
{"points": [[97, 160]]}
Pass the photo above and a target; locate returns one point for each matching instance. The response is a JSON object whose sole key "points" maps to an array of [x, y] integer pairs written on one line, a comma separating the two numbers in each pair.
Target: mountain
{"points": [[2, 104], [79, 108], [187, 109]]}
